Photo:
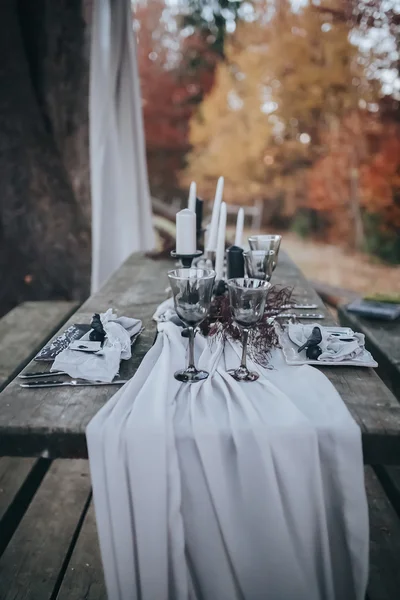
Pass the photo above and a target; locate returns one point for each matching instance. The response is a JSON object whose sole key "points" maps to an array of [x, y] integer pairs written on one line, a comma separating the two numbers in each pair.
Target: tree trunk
{"points": [[44, 162], [359, 236]]}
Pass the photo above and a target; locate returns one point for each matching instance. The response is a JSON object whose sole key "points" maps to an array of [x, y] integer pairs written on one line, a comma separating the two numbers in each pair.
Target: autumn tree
{"points": [[44, 164], [287, 79], [176, 71]]}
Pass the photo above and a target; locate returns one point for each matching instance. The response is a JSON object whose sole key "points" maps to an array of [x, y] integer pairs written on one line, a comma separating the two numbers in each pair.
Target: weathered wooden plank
{"points": [[13, 472], [19, 481], [389, 478], [384, 577], [31, 565], [25, 329], [52, 422], [84, 576], [382, 338]]}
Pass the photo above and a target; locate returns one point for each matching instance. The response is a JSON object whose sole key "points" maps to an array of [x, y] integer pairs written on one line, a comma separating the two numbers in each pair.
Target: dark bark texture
{"points": [[44, 162]]}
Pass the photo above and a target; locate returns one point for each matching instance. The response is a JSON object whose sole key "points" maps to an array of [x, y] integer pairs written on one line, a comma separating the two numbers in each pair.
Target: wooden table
{"points": [[51, 422], [382, 338]]}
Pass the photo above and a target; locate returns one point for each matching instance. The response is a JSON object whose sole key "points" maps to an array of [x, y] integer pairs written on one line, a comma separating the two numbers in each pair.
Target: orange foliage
{"points": [[380, 179], [175, 73], [359, 174]]}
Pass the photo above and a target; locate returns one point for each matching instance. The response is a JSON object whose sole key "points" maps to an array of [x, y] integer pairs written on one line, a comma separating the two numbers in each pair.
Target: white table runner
{"points": [[225, 490]]}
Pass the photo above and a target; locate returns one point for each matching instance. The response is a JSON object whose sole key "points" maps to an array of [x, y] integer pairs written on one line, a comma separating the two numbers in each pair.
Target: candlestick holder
{"points": [[186, 259]]}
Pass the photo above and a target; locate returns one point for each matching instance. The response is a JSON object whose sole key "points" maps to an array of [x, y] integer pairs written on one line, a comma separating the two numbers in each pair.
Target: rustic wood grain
{"points": [[382, 338], [31, 564], [52, 422], [84, 576], [25, 330], [13, 473], [384, 576]]}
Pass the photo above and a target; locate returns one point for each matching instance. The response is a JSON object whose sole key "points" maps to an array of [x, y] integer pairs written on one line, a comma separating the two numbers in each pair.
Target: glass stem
{"points": [[244, 348], [191, 348]]}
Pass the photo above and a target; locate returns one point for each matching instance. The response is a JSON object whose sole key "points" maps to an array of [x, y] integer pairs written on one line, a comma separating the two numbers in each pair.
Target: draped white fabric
{"points": [[225, 490], [121, 207]]}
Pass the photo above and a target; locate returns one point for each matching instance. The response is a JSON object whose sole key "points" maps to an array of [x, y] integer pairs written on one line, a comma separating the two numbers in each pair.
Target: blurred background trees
{"points": [[295, 103]]}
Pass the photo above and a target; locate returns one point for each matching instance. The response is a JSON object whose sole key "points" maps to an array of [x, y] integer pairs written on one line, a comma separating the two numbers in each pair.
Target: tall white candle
{"points": [[239, 228], [186, 232], [192, 197], [213, 234], [220, 253]]}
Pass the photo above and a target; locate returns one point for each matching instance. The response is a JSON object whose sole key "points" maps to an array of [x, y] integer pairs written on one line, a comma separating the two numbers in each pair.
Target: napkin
{"points": [[228, 490], [165, 311], [103, 365], [334, 347]]}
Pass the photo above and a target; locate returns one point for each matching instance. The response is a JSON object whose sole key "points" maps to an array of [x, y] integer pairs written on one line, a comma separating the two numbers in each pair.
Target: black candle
{"points": [[199, 215], [235, 262]]}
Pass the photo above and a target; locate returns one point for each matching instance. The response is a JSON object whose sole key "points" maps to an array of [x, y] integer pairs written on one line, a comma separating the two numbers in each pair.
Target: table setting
{"points": [[227, 466], [86, 354], [221, 469]]}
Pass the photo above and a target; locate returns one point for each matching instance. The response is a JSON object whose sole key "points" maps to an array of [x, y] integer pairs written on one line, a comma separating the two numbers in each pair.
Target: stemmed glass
{"points": [[259, 263], [266, 243], [192, 291], [247, 300]]}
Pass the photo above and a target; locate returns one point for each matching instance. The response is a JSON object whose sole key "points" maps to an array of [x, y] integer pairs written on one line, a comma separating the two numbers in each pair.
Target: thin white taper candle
{"points": [[213, 234], [239, 228], [192, 197], [220, 253]]}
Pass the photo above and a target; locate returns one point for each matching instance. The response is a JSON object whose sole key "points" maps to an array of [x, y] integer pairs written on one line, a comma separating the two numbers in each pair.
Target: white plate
{"points": [[292, 357]]}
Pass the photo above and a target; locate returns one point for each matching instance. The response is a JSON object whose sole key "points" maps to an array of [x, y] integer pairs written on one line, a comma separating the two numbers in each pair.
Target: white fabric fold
{"points": [[226, 490], [104, 364]]}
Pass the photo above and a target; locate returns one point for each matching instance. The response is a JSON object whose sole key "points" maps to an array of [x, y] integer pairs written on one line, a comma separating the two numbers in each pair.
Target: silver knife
{"points": [[39, 374], [300, 316], [299, 306], [70, 382]]}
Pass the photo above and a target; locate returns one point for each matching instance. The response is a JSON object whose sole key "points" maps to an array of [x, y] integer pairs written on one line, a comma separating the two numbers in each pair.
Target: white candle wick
{"points": [[186, 232], [220, 253], [213, 234], [239, 228], [192, 197]]}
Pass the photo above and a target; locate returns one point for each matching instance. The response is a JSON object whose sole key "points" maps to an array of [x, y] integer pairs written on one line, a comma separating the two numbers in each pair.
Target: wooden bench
{"points": [[42, 503], [23, 331], [51, 549]]}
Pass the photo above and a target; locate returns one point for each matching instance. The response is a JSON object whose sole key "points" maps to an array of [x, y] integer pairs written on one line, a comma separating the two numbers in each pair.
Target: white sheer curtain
{"points": [[121, 206]]}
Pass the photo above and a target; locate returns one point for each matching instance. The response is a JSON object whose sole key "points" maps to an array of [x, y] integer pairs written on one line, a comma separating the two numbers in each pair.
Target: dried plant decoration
{"points": [[263, 338]]}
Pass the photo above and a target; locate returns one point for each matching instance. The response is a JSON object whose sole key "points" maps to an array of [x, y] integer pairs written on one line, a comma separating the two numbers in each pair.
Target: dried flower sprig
{"points": [[262, 338]]}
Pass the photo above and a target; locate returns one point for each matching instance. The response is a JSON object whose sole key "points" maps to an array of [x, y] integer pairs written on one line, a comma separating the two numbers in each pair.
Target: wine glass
{"points": [[192, 291], [267, 243], [247, 301], [259, 263]]}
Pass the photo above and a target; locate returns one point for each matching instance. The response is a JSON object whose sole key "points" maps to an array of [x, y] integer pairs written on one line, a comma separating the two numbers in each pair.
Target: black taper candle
{"points": [[199, 214], [199, 223], [235, 262]]}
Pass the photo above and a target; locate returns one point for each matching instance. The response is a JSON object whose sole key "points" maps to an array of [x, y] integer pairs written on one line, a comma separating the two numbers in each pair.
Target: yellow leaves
{"points": [[283, 77]]}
